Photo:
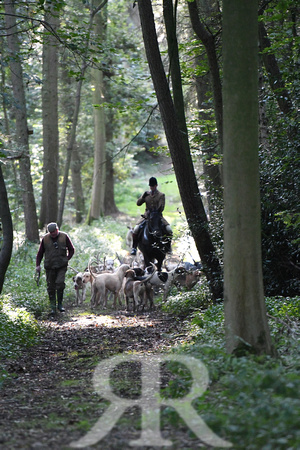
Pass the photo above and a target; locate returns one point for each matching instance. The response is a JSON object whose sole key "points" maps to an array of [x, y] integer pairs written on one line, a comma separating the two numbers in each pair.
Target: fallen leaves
{"points": [[50, 390]]}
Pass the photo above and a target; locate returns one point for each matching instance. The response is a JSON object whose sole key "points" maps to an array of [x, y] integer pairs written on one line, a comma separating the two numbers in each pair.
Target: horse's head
{"points": [[155, 223]]}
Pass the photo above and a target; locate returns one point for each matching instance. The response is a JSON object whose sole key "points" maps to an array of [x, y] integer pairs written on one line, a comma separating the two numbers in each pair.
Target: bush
{"points": [[18, 328], [185, 303]]}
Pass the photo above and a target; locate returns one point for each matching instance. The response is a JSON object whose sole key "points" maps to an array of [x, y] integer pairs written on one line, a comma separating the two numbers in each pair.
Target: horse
{"points": [[152, 240]]}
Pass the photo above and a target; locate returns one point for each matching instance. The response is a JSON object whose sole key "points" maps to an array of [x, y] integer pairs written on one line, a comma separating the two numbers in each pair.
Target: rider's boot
{"points": [[134, 243]]}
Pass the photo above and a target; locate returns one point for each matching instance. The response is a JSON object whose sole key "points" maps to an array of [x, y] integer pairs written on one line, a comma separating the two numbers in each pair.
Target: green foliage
{"points": [[279, 158], [18, 328], [280, 174], [20, 282], [105, 237], [185, 303], [251, 401], [282, 307]]}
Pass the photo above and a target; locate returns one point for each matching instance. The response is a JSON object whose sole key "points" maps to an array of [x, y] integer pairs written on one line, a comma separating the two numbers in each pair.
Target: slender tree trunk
{"points": [[71, 141], [72, 135], [68, 106], [31, 223], [97, 208], [245, 311], [99, 178], [170, 23], [213, 172], [274, 75], [208, 41], [4, 89], [181, 157], [49, 204], [7, 230], [110, 206], [77, 185]]}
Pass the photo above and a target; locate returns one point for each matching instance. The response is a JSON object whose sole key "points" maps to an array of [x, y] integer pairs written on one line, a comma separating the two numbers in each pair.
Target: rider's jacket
{"points": [[153, 202]]}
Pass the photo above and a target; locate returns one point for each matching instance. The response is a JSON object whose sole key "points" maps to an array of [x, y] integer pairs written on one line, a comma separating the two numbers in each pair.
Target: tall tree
{"points": [[49, 204], [273, 71], [72, 134], [245, 311], [110, 206], [7, 230], [70, 145], [67, 105], [31, 223], [208, 39], [209, 42], [181, 157], [77, 184], [99, 178]]}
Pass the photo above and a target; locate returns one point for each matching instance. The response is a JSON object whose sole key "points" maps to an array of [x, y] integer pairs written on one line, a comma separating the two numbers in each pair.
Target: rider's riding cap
{"points": [[152, 181]]}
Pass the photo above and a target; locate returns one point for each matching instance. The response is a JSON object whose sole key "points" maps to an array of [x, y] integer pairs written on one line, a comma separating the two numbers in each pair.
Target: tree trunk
{"points": [[181, 157], [68, 105], [49, 204], [213, 172], [274, 75], [170, 23], [31, 223], [208, 41], [110, 206], [7, 231], [77, 185], [71, 141], [99, 179], [4, 89], [245, 311], [72, 135]]}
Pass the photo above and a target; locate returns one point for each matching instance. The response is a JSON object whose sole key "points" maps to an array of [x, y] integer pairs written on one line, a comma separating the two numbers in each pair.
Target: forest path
{"points": [[49, 400]]}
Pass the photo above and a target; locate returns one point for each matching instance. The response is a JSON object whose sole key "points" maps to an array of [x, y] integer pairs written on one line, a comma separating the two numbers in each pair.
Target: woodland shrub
{"points": [[184, 304], [18, 328]]}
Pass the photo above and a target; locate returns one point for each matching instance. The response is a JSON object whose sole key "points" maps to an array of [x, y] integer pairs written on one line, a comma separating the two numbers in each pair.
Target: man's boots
{"points": [[60, 296], [52, 299], [134, 243]]}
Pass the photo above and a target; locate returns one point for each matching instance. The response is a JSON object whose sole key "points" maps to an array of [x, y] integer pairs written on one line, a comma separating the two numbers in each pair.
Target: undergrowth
{"points": [[251, 401]]}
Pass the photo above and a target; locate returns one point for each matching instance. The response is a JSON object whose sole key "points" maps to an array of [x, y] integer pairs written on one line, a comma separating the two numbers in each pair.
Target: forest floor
{"points": [[49, 401]]}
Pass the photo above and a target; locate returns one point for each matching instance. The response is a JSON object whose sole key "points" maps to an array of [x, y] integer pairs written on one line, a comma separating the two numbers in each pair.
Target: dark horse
{"points": [[152, 240]]}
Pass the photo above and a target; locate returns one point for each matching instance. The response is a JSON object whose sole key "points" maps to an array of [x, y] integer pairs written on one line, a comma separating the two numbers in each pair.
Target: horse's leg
{"points": [[159, 264]]}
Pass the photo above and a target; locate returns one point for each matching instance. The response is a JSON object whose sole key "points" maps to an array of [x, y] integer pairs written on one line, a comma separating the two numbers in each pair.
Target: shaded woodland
{"points": [[88, 89]]}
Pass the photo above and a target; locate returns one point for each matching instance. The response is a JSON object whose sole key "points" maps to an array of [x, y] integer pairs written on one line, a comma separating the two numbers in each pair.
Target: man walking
{"points": [[58, 249]]}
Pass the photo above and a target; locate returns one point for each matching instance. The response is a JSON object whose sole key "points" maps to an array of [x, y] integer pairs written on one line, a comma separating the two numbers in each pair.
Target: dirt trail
{"points": [[50, 401]]}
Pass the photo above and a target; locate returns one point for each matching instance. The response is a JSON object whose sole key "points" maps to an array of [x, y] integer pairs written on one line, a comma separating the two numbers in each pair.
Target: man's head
{"points": [[153, 185], [152, 181], [52, 228]]}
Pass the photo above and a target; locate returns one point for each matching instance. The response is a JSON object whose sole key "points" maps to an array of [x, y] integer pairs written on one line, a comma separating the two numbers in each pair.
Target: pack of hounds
{"points": [[132, 282]]}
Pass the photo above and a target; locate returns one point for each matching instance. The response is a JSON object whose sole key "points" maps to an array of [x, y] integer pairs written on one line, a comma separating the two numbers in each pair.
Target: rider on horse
{"points": [[155, 200]]}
